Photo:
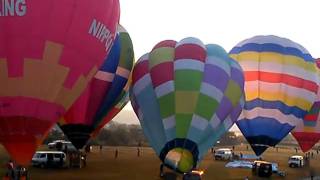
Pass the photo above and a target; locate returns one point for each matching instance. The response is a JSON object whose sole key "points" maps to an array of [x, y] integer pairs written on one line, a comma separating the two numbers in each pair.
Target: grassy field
{"points": [[103, 165]]}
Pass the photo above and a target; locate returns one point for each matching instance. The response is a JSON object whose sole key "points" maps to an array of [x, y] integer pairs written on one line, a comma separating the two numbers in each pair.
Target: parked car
{"points": [[53, 144], [49, 159], [262, 168], [223, 154], [61, 145], [296, 161]]}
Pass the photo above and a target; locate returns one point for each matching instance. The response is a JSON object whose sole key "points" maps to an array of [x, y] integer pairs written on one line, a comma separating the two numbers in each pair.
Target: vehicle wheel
{"points": [[162, 175], [42, 165]]}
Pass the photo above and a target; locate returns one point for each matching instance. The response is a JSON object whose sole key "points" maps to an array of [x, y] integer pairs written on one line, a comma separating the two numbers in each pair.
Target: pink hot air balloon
{"points": [[49, 51]]}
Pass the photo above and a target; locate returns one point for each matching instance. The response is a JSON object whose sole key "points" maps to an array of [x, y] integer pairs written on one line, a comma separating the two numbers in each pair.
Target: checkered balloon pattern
{"points": [[186, 95]]}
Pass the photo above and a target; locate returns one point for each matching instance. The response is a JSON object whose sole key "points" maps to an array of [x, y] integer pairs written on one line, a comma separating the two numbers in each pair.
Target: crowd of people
{"points": [[15, 172]]}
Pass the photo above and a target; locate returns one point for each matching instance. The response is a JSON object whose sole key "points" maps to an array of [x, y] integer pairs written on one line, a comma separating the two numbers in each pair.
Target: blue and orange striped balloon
{"points": [[281, 85]]}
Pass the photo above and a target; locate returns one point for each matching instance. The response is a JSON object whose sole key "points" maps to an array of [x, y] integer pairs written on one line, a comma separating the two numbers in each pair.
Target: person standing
{"points": [[87, 148], [138, 152], [161, 170], [65, 150], [61, 161], [116, 153], [312, 174], [71, 159], [10, 169], [84, 159], [300, 163]]}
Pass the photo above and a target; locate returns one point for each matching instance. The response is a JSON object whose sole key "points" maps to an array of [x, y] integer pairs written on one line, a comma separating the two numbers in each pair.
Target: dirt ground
{"points": [[127, 166]]}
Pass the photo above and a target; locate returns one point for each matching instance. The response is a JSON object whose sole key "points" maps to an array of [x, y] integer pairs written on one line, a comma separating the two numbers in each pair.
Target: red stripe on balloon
{"points": [[140, 69], [311, 117], [162, 73], [190, 51], [166, 43], [281, 78]]}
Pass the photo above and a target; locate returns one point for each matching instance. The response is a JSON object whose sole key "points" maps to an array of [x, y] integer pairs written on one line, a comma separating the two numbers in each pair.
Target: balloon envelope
{"points": [[280, 87], [186, 95], [49, 51], [117, 106], [307, 132], [102, 94]]}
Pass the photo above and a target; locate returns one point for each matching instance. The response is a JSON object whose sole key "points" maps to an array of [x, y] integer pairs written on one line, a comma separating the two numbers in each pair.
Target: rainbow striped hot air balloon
{"points": [[307, 132], [186, 95], [102, 94], [281, 85], [49, 51]]}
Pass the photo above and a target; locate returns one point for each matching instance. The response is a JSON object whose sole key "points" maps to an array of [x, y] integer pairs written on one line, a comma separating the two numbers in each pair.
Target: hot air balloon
{"points": [[280, 88], [307, 132], [49, 51], [117, 106], [101, 95], [185, 95]]}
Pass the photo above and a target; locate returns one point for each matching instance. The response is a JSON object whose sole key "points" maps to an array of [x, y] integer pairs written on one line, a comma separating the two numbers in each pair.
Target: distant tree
{"points": [[229, 138], [54, 134], [115, 134], [286, 141]]}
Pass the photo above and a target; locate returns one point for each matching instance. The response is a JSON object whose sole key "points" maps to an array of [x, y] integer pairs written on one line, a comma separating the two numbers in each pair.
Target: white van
{"points": [[296, 161], [223, 154], [49, 159]]}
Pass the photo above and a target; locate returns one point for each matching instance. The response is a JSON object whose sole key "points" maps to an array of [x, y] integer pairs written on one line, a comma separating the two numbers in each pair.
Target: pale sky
{"points": [[223, 22]]}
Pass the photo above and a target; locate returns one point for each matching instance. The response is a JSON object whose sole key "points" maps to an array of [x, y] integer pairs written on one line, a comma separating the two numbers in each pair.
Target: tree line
{"points": [[117, 134]]}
